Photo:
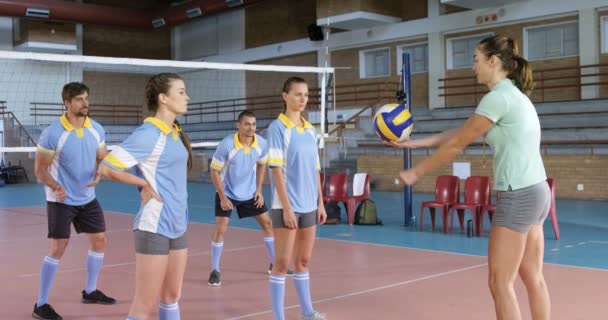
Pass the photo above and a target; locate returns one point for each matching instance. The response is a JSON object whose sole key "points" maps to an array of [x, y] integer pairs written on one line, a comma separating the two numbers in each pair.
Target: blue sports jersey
{"points": [[75, 158], [295, 150], [161, 157], [237, 165]]}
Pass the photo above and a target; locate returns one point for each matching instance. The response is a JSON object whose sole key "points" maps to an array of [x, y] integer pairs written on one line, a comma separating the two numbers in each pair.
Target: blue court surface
{"points": [[583, 224]]}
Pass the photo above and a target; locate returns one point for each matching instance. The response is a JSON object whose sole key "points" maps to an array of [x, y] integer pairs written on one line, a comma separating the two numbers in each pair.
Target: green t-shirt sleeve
{"points": [[493, 106]]}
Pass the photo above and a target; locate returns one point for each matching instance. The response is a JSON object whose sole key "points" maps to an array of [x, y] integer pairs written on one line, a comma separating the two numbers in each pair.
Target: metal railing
{"points": [[46, 112], [549, 82]]}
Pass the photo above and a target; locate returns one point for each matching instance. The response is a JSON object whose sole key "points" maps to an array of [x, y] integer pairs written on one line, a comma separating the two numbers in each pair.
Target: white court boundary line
{"points": [[362, 292], [385, 245], [199, 253]]}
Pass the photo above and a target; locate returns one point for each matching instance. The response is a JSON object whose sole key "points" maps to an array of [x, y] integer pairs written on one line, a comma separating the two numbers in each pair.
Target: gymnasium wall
{"points": [[516, 32], [271, 83], [129, 43], [349, 74], [274, 21], [567, 170]]}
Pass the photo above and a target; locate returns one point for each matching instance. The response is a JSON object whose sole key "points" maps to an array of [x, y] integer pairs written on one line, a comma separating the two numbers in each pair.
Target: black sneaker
{"points": [[214, 278], [96, 297], [289, 272], [45, 312]]}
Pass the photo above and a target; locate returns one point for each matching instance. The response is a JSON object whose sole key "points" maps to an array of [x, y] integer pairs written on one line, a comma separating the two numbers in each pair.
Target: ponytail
{"points": [[517, 68], [186, 141], [522, 75]]}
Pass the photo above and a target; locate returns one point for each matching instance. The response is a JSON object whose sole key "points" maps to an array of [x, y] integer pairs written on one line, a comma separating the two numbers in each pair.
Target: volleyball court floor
{"points": [[357, 272]]}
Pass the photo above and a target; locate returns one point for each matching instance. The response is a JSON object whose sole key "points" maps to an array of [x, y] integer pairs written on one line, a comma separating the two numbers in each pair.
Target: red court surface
{"points": [[348, 280]]}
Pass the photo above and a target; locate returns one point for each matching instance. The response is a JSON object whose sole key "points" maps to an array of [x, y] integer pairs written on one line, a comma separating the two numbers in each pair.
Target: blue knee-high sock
{"points": [[269, 242], [94, 263], [302, 284], [216, 254], [47, 274], [277, 296], [168, 311]]}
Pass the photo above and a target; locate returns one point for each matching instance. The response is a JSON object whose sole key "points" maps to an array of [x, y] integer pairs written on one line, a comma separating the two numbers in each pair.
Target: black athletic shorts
{"points": [[245, 209], [87, 218]]}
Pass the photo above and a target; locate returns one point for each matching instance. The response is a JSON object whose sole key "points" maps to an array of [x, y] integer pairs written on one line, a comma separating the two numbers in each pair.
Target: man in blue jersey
{"points": [[67, 156], [237, 171]]}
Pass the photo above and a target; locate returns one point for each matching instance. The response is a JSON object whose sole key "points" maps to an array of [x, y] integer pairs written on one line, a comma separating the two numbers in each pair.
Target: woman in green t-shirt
{"points": [[508, 121]]}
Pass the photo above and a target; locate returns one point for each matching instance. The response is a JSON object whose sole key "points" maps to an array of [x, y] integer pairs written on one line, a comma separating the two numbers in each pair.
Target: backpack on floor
{"points": [[333, 213], [366, 213]]}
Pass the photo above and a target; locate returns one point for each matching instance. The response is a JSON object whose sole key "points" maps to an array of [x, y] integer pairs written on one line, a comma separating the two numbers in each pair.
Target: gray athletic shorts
{"points": [[157, 244], [519, 209], [305, 220]]}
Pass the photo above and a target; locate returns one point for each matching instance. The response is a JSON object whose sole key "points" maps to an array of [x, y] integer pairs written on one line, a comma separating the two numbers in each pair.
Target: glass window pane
{"points": [[536, 45], [377, 63]]}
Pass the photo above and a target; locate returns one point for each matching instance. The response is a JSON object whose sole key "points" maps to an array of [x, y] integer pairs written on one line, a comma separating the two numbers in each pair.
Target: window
{"points": [[461, 51], [604, 34], [374, 63], [553, 41], [419, 57]]}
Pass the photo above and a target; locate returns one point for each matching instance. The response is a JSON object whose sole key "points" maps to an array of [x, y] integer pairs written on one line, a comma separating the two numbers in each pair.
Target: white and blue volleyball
{"points": [[393, 122]]}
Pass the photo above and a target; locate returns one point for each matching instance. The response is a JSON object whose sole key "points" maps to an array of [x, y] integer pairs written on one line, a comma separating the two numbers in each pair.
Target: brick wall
{"points": [[109, 41], [116, 88], [275, 21], [567, 170]]}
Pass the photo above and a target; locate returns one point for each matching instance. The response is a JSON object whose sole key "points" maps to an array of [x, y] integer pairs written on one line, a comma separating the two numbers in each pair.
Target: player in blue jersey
{"points": [[67, 156], [237, 171], [162, 154], [297, 202]]}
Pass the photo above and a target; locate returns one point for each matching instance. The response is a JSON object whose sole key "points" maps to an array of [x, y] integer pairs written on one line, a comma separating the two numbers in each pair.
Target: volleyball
{"points": [[393, 122]]}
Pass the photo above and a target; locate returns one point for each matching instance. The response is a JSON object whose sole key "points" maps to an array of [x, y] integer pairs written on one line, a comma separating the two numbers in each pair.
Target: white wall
{"points": [[6, 33], [215, 35]]}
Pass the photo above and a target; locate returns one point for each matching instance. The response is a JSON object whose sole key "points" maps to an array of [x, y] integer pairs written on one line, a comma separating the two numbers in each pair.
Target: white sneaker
{"points": [[315, 316]]}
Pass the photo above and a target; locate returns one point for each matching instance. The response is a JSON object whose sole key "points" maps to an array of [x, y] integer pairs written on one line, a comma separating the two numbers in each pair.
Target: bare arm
{"points": [[101, 153], [475, 127], [217, 183], [122, 176], [225, 203], [42, 163], [259, 177], [432, 141], [259, 180], [322, 215], [41, 170]]}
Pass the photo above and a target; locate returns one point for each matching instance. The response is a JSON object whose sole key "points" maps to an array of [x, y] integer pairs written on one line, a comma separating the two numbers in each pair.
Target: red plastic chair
{"points": [[338, 189], [476, 196], [447, 190], [361, 191], [552, 211]]}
